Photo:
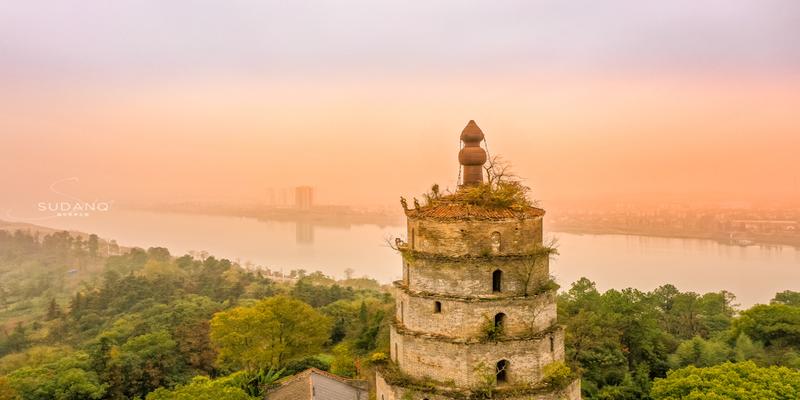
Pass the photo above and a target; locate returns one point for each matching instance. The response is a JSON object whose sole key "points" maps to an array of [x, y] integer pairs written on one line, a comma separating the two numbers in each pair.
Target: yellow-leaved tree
{"points": [[268, 334]]}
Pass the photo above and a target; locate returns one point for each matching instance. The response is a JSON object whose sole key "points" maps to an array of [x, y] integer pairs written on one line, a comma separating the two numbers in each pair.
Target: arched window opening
{"points": [[552, 343], [497, 281], [437, 307], [502, 371], [413, 239], [396, 354], [495, 242], [499, 321], [401, 311]]}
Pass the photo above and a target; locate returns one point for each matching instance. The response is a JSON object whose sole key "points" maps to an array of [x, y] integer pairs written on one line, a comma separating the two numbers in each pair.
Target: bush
{"points": [[490, 330], [557, 375], [378, 357]]}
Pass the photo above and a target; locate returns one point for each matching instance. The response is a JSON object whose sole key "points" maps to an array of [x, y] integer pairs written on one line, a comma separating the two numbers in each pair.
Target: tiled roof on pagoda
{"points": [[459, 210]]}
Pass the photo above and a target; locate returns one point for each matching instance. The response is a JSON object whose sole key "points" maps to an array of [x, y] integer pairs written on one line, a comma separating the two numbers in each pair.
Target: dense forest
{"points": [[145, 324], [80, 321]]}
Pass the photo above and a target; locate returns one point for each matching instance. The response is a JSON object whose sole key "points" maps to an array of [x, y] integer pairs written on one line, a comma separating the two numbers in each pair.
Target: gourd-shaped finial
{"points": [[472, 156]]}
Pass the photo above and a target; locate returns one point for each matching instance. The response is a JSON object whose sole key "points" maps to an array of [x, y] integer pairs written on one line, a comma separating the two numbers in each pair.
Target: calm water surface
{"points": [[753, 273]]}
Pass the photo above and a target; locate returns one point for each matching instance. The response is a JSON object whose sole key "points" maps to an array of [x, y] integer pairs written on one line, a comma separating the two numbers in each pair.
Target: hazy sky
{"points": [[591, 101]]}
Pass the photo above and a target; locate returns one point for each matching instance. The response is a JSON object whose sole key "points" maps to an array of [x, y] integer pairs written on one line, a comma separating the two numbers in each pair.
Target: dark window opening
{"points": [[401, 311], [497, 281], [552, 343], [499, 320], [396, 354], [502, 371], [413, 239], [437, 307]]}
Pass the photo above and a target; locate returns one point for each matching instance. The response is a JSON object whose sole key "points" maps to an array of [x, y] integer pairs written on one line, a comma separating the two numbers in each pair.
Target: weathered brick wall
{"points": [[385, 391], [466, 365], [470, 237], [453, 263], [461, 318], [472, 277]]}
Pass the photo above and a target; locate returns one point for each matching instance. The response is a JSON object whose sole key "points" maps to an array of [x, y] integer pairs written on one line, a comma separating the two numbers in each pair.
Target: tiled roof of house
{"points": [[317, 384]]}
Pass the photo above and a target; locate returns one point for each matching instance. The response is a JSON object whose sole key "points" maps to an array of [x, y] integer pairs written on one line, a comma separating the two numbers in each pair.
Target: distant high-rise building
{"points": [[303, 197]]}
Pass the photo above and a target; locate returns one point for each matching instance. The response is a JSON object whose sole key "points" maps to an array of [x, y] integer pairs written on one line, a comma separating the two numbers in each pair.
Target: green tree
{"points": [[744, 381], [201, 388], [53, 310], [700, 353], [142, 364], [745, 349], [343, 361], [268, 334], [777, 324], [787, 297], [66, 379]]}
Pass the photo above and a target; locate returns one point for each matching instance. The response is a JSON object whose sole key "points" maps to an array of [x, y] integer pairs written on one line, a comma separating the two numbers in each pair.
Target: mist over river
{"points": [[753, 273]]}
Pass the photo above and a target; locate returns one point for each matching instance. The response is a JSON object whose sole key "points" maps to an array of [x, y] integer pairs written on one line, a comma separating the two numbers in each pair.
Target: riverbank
{"points": [[743, 240]]}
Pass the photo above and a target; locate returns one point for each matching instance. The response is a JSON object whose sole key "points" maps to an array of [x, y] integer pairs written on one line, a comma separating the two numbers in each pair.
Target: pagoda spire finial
{"points": [[472, 156]]}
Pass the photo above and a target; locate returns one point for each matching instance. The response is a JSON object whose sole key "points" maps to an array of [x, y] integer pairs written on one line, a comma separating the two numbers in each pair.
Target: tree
{"points": [[201, 388], [777, 324], [69, 378], [743, 381], [343, 361], [787, 297], [53, 310], [529, 269], [268, 334], [16, 341], [700, 353], [6, 391], [92, 245], [147, 362], [319, 295]]}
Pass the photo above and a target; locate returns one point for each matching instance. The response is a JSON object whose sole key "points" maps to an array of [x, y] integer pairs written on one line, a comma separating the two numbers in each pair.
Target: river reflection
{"points": [[753, 273]]}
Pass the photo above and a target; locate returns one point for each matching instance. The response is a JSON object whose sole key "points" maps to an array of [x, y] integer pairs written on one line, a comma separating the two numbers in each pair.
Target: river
{"points": [[753, 273]]}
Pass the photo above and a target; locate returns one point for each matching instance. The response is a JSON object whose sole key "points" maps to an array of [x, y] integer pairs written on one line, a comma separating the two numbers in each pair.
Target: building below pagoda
{"points": [[476, 308]]}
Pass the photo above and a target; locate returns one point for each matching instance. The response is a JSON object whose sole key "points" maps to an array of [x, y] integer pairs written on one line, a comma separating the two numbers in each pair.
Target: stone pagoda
{"points": [[476, 308]]}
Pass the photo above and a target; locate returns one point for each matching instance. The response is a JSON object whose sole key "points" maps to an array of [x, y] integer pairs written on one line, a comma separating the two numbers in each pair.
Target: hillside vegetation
{"points": [[79, 323]]}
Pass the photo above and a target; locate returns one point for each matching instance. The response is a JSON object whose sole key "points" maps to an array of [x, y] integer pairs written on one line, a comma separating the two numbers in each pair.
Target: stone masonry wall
{"points": [[385, 391], [472, 277], [460, 318], [466, 365], [474, 238]]}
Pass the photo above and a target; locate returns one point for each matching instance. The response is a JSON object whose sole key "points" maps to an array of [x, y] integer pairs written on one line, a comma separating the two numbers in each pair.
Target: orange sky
{"points": [[576, 139], [619, 101]]}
